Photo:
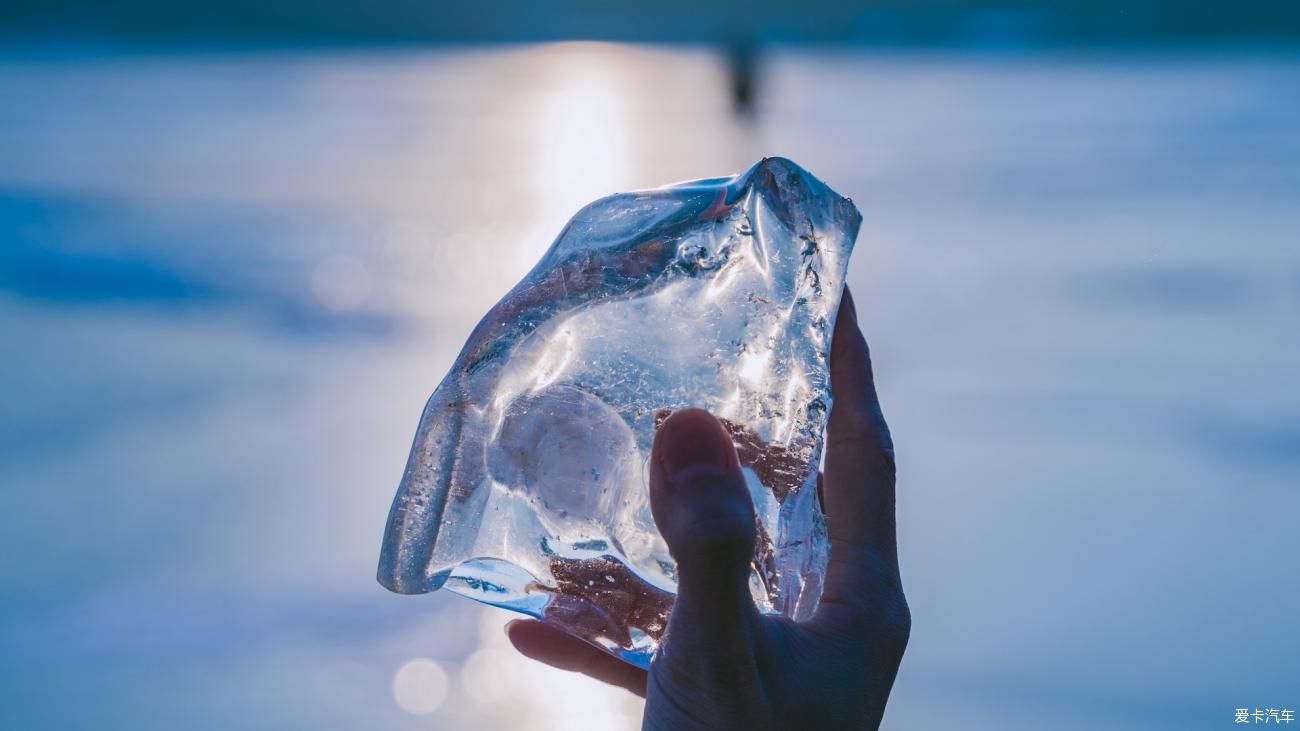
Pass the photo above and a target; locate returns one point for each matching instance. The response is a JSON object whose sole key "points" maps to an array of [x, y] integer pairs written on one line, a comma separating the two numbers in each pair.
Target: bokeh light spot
{"points": [[420, 686]]}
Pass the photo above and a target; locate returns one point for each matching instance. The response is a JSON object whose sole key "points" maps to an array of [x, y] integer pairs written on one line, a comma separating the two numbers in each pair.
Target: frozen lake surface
{"points": [[228, 282]]}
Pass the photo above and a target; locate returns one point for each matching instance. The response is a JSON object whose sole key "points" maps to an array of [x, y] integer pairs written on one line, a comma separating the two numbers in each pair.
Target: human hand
{"points": [[724, 665]]}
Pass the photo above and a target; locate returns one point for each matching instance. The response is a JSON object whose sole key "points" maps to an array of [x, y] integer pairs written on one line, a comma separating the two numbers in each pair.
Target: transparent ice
{"points": [[526, 486]]}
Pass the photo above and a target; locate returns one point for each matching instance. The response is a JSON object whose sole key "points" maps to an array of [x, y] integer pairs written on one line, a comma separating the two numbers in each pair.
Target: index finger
{"points": [[858, 489]]}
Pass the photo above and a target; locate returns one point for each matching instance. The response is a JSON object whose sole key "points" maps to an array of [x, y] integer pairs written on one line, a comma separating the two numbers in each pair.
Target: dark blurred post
{"points": [[742, 66]]}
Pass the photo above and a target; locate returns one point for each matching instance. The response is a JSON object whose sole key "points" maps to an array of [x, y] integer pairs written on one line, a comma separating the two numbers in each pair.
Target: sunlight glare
{"points": [[582, 122], [529, 695]]}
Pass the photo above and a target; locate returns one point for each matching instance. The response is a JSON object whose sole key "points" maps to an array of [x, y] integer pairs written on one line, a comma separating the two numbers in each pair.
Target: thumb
{"points": [[702, 508]]}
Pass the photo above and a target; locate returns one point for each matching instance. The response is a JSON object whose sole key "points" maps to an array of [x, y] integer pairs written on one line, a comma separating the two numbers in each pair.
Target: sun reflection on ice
{"points": [[753, 366], [555, 359]]}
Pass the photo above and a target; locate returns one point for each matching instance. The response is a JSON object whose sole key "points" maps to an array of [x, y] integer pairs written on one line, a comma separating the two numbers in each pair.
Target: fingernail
{"points": [[693, 437]]}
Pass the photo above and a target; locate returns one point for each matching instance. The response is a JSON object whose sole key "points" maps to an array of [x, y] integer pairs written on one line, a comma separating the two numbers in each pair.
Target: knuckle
{"points": [[883, 629], [895, 626], [878, 619]]}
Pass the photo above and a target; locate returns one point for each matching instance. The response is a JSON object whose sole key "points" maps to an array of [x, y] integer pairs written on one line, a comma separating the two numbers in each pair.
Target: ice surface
{"points": [[526, 486]]}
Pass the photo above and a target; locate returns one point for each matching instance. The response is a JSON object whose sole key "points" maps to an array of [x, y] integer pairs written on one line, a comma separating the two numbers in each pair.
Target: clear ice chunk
{"points": [[527, 485]]}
